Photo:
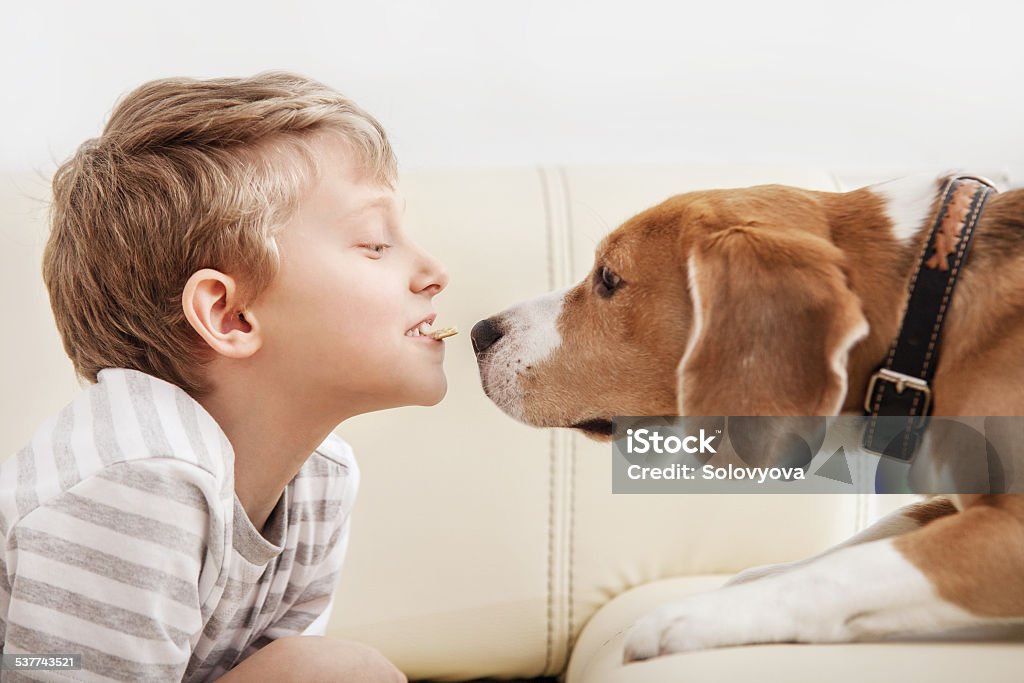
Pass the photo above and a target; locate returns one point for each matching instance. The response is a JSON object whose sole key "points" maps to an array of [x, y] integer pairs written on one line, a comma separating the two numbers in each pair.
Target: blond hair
{"points": [[187, 174]]}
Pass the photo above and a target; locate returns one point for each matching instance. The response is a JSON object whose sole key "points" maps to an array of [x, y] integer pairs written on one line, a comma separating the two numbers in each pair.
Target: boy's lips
{"points": [[423, 331]]}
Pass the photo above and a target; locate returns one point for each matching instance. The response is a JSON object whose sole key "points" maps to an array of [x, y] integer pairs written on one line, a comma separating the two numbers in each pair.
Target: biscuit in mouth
{"points": [[443, 333]]}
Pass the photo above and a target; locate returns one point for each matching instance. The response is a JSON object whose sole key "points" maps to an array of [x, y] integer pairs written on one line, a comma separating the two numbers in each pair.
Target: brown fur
{"points": [[784, 278], [929, 510], [975, 559]]}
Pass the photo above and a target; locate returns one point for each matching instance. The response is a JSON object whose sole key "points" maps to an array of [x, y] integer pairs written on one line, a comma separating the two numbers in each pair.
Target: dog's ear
{"points": [[773, 324]]}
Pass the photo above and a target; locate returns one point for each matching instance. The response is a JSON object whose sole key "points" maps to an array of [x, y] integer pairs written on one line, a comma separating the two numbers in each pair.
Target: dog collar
{"points": [[901, 386]]}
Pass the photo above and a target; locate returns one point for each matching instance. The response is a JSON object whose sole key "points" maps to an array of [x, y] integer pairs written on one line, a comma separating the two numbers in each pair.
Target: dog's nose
{"points": [[483, 335]]}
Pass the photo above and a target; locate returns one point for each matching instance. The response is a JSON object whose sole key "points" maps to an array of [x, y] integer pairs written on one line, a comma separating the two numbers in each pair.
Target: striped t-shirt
{"points": [[124, 540]]}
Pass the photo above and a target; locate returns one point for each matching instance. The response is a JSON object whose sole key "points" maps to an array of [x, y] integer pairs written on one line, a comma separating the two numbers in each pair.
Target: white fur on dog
{"points": [[909, 203], [530, 337], [862, 592]]}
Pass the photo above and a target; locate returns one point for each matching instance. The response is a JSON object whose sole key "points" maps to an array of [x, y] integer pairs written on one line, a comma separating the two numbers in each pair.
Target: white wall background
{"points": [[867, 86]]}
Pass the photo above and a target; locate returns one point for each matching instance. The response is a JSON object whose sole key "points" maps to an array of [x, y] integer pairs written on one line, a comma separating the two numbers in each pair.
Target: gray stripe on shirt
{"points": [[322, 510], [321, 466], [295, 593], [103, 427], [25, 493], [189, 419], [111, 566], [225, 658], [67, 466], [172, 537], [102, 613], [294, 620], [140, 390], [311, 553], [183, 492], [93, 660]]}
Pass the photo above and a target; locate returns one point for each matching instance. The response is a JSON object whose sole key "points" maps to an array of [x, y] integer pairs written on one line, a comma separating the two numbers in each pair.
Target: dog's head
{"points": [[723, 302]]}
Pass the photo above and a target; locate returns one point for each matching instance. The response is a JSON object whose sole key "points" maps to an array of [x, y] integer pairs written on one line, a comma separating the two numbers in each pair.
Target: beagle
{"points": [[775, 300]]}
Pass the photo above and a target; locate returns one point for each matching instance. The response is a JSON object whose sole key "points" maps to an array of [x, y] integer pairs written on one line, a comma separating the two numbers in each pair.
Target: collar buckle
{"points": [[902, 383]]}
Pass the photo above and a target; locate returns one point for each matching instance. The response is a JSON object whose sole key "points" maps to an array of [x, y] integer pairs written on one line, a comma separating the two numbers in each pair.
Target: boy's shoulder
{"points": [[128, 420]]}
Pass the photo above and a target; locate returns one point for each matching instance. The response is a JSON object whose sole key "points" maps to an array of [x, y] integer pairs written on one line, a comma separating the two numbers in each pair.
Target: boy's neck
{"points": [[271, 442]]}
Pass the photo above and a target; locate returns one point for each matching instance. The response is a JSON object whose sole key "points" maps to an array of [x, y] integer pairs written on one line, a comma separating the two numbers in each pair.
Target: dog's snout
{"points": [[484, 334]]}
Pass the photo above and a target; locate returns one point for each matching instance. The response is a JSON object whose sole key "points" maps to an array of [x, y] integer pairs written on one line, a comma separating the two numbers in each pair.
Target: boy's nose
{"points": [[441, 277], [484, 334]]}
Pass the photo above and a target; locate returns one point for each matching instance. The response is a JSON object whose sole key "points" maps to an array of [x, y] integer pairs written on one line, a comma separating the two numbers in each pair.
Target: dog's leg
{"points": [[957, 571], [908, 518]]}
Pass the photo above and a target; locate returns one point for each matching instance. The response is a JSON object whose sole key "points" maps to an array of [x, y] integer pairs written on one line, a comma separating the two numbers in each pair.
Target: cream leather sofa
{"points": [[486, 548]]}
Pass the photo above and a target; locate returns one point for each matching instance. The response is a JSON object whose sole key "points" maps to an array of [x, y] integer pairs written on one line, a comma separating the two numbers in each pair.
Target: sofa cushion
{"points": [[597, 657]]}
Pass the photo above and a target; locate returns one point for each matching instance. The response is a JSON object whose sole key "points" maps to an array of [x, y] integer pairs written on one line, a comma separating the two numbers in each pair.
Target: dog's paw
{"points": [[670, 629], [643, 640]]}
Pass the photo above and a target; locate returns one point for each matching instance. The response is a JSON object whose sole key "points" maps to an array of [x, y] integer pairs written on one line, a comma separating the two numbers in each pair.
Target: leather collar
{"points": [[901, 386]]}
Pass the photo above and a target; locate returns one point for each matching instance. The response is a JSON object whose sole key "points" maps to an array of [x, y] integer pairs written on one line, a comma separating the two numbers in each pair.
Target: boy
{"points": [[227, 265]]}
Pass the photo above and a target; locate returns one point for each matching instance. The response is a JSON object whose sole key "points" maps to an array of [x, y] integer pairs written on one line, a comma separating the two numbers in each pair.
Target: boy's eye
{"points": [[380, 248]]}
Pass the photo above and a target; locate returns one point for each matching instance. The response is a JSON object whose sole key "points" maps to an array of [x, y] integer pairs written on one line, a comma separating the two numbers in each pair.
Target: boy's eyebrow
{"points": [[381, 202]]}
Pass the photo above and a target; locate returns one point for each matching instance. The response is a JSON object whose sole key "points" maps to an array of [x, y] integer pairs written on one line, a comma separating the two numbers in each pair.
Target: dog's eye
{"points": [[607, 282]]}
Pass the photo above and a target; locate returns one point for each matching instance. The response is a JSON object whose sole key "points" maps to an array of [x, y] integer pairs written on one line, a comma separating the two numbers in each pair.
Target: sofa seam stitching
{"points": [[549, 230], [570, 640]]}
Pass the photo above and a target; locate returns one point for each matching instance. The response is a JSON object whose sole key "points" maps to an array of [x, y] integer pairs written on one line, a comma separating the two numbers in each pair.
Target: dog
{"points": [[777, 300]]}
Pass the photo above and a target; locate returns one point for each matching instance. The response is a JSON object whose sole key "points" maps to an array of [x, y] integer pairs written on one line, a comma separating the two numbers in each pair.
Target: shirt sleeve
{"points": [[115, 568]]}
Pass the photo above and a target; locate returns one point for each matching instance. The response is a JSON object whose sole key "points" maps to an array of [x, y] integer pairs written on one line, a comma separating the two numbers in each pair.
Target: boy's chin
{"points": [[428, 394], [437, 394]]}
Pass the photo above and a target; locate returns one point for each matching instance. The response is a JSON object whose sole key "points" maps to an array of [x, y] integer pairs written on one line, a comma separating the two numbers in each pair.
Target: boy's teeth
{"points": [[420, 330]]}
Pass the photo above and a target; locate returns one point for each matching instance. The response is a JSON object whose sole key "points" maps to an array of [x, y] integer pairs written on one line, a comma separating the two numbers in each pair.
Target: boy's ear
{"points": [[209, 301], [773, 323]]}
